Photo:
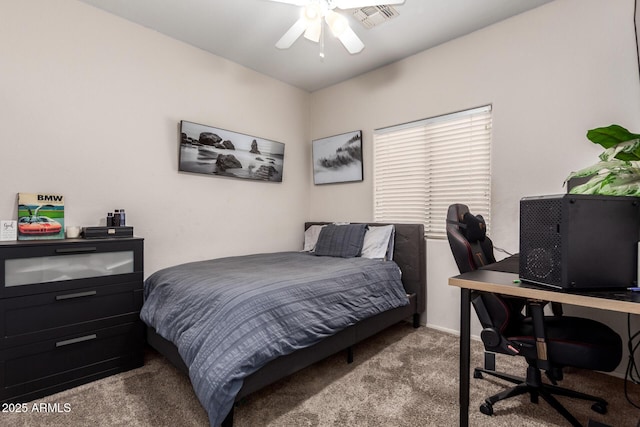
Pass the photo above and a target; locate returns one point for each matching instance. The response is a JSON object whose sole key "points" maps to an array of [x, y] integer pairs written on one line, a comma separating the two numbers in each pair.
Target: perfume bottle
{"points": [[122, 218], [116, 218], [110, 219]]}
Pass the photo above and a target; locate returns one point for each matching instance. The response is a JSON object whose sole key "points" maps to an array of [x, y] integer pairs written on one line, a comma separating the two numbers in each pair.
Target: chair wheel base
{"points": [[486, 408], [599, 407]]}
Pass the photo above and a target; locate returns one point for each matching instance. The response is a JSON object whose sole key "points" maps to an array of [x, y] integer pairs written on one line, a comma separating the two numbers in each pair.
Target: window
{"points": [[422, 167]]}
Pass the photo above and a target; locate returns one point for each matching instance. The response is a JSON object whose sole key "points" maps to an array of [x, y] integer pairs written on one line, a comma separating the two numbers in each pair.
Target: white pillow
{"points": [[378, 242], [311, 237]]}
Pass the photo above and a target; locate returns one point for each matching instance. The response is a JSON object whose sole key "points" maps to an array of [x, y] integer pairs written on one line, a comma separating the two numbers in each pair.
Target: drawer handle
{"points": [[76, 340], [76, 295], [75, 250]]}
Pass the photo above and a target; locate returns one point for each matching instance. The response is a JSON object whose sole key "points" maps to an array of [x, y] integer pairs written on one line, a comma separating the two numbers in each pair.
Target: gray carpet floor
{"points": [[401, 377]]}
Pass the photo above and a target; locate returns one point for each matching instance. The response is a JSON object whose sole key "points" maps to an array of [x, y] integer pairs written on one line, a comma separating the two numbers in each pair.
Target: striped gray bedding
{"points": [[228, 317]]}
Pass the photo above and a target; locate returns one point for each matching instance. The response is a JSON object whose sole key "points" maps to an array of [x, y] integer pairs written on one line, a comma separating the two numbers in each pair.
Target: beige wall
{"points": [[90, 107], [550, 74]]}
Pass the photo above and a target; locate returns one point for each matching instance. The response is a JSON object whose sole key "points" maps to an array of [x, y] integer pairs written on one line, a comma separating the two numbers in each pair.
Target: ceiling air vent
{"points": [[372, 16]]}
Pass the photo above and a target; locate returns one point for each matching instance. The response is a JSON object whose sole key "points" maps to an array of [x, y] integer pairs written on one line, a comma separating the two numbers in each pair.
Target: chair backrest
{"points": [[469, 244], [472, 249]]}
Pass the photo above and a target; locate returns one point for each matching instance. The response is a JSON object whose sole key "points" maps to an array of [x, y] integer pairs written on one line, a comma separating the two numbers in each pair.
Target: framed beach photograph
{"points": [[338, 158], [213, 151]]}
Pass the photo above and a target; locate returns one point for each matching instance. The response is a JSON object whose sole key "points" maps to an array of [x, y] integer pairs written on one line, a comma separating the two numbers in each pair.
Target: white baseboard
{"points": [[450, 331]]}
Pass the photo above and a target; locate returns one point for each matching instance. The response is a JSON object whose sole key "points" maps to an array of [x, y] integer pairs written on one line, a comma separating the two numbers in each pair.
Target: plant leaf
{"points": [[630, 150], [626, 151], [600, 167], [590, 187], [610, 136], [618, 171], [610, 187]]}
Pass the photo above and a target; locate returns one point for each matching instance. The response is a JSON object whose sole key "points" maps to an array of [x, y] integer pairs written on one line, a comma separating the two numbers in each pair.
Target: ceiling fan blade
{"points": [[351, 41], [357, 4], [313, 31], [292, 34], [340, 28]]}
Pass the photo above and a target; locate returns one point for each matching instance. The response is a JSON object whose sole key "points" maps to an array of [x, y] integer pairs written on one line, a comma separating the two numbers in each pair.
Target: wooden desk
{"points": [[503, 283]]}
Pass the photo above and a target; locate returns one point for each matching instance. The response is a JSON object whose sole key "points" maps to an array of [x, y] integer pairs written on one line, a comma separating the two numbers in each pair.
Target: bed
{"points": [[204, 353]]}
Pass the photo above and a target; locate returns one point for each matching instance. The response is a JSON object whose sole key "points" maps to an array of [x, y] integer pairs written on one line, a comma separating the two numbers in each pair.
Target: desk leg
{"points": [[465, 354]]}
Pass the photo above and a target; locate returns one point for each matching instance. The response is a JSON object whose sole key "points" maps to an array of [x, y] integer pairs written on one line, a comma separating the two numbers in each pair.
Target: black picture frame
{"points": [[636, 23], [214, 151], [338, 158]]}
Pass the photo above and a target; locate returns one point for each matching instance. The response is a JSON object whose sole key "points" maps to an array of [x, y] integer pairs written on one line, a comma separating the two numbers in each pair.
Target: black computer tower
{"points": [[576, 242]]}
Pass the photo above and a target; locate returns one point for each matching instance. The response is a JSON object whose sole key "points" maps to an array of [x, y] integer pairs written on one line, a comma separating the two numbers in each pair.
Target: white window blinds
{"points": [[421, 168]]}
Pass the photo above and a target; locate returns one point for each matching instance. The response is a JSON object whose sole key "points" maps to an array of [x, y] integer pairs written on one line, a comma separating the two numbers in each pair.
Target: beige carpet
{"points": [[401, 377]]}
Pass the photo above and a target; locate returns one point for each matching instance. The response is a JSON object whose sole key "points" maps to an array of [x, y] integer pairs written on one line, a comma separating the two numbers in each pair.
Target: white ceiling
{"points": [[245, 32]]}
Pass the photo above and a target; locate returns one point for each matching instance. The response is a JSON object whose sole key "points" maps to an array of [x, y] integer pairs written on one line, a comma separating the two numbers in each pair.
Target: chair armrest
{"points": [[494, 341]]}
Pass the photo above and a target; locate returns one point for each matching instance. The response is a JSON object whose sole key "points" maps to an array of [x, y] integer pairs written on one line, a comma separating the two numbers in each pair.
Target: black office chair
{"points": [[546, 342], [473, 249]]}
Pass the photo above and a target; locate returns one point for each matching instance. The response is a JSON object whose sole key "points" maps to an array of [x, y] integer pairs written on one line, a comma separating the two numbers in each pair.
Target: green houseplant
{"points": [[618, 171]]}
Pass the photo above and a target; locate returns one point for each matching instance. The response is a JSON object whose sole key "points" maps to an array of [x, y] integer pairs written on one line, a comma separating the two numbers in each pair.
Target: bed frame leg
{"points": [[416, 320], [228, 421], [349, 354]]}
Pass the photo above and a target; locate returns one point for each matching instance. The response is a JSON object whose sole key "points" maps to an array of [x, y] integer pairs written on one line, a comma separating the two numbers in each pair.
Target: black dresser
{"points": [[69, 313]]}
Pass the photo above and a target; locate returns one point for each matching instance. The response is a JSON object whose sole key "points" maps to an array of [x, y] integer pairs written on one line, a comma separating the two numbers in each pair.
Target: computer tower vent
{"points": [[541, 245], [576, 241]]}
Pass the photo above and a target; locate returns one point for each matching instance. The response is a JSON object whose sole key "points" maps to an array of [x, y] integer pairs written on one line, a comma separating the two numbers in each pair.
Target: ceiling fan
{"points": [[312, 14]]}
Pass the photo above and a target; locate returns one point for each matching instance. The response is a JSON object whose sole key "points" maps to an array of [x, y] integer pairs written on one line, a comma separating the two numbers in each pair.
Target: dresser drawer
{"points": [[29, 268], [47, 316], [34, 370]]}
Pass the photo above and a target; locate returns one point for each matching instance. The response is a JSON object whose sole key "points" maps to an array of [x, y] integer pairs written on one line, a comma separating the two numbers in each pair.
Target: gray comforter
{"points": [[229, 317]]}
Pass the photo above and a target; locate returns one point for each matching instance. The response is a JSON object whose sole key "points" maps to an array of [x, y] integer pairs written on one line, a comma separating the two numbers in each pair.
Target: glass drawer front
{"points": [[26, 271]]}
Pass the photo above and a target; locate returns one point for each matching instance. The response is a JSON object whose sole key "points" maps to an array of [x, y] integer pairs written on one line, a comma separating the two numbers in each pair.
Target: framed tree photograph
{"points": [[214, 151], [338, 158]]}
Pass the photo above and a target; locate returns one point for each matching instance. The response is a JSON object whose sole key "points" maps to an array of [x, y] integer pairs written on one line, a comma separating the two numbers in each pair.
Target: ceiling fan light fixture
{"points": [[312, 12], [337, 23]]}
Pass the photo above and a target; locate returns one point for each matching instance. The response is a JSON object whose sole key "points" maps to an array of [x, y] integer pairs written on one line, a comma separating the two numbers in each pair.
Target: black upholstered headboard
{"points": [[410, 255]]}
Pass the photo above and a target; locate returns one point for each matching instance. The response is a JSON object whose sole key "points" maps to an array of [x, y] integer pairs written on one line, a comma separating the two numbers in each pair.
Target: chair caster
{"points": [[477, 374], [486, 408], [599, 407]]}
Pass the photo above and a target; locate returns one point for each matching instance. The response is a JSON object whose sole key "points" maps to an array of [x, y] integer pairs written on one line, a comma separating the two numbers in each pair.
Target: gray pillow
{"points": [[343, 241], [378, 242], [311, 237]]}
